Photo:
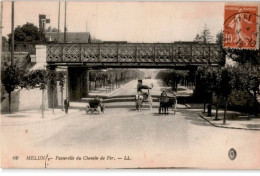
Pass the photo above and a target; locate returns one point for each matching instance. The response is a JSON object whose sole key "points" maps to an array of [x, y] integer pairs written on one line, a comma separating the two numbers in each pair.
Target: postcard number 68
{"points": [[15, 157]]}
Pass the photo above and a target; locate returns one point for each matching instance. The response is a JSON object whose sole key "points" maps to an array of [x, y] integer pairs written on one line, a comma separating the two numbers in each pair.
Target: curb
{"points": [[237, 128]]}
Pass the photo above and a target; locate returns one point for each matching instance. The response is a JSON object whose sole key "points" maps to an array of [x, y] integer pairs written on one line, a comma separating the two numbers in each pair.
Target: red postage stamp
{"points": [[241, 27]]}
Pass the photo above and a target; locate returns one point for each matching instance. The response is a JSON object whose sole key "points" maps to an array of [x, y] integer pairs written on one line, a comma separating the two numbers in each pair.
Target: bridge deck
{"points": [[133, 54]]}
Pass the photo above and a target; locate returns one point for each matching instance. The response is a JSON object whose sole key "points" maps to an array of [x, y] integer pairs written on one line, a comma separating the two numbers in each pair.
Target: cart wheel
{"points": [[87, 109], [103, 110], [99, 110]]}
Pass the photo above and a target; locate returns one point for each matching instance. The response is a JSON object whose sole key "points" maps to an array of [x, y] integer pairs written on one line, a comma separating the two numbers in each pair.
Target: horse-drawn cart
{"points": [[95, 106], [166, 102], [143, 96]]}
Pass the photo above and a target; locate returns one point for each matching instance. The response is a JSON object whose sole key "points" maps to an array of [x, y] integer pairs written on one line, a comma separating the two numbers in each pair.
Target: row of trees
{"points": [[112, 78], [223, 80], [174, 77], [14, 78]]}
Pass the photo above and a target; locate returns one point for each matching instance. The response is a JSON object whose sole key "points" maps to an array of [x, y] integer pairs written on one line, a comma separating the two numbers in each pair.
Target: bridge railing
{"points": [[133, 53]]}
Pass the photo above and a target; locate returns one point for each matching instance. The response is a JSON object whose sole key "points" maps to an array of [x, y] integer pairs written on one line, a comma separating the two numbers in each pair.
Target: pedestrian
{"points": [[66, 105]]}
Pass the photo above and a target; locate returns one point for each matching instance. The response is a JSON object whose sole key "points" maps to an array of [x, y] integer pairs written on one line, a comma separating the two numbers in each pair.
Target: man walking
{"points": [[66, 105]]}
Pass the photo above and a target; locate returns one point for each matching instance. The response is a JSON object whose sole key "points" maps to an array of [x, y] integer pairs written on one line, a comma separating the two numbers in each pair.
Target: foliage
{"points": [[50, 29], [27, 33], [174, 77], [35, 79], [114, 76], [11, 77], [219, 38], [52, 77], [61, 78], [204, 37], [244, 56], [223, 82]]}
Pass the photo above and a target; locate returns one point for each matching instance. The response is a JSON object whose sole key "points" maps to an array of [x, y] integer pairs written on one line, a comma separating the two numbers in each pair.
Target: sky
{"points": [[124, 21]]}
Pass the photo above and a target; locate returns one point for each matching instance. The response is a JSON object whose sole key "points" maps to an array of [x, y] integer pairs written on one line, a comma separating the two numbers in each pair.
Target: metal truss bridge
{"points": [[133, 55]]}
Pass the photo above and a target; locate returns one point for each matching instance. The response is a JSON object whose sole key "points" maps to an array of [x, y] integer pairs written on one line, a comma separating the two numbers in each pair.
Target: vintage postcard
{"points": [[130, 85]]}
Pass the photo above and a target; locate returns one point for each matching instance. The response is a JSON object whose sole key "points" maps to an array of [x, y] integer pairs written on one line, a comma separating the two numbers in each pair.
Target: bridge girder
{"points": [[134, 55]]}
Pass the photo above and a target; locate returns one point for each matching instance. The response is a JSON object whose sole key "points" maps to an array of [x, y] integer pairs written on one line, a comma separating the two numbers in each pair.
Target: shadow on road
{"points": [[193, 117], [17, 116], [253, 126]]}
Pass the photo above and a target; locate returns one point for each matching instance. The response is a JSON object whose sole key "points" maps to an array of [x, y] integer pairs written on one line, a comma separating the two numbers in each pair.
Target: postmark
{"points": [[241, 27]]}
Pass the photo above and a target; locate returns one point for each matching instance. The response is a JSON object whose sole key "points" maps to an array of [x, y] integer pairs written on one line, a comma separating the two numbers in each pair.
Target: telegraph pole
{"points": [[65, 27], [65, 41], [1, 19], [12, 40], [58, 23]]}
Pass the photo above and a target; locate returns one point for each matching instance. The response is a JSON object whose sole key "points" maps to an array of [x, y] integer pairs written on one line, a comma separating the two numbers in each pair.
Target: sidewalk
{"points": [[32, 116], [234, 120]]}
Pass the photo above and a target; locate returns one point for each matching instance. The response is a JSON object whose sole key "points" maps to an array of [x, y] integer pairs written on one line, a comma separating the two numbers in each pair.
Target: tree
{"points": [[225, 84], [253, 83], [36, 79], [93, 78], [50, 29], [201, 86], [244, 56], [219, 38], [217, 89], [197, 38], [204, 37], [27, 33], [61, 79], [52, 78], [11, 78]]}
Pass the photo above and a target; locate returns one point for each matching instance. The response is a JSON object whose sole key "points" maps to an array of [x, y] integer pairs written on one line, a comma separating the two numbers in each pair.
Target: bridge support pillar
{"points": [[78, 79], [85, 83], [74, 80]]}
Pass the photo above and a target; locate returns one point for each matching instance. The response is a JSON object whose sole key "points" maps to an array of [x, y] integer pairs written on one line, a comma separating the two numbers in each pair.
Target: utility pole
{"points": [[1, 19], [12, 40], [58, 23], [65, 27]]}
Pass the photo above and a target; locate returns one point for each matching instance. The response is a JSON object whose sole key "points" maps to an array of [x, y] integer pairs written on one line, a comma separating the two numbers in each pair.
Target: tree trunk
{"points": [[216, 116], [62, 99], [255, 104], [52, 100], [9, 99], [42, 103], [225, 111], [204, 109]]}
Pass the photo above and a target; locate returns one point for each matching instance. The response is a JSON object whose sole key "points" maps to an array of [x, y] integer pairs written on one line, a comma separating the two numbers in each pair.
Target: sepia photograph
{"points": [[130, 85]]}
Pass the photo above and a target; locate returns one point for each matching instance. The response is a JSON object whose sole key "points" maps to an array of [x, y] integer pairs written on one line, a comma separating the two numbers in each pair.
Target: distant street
{"points": [[148, 138], [131, 87]]}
